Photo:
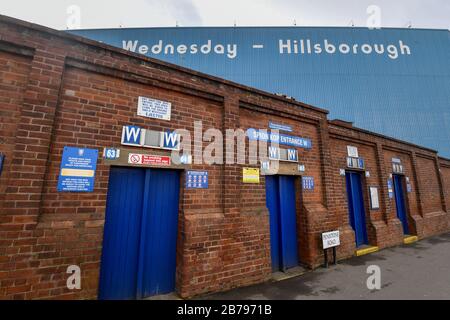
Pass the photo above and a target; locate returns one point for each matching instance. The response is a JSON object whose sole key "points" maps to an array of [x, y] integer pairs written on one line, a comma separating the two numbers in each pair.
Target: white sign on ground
{"points": [[330, 239]]}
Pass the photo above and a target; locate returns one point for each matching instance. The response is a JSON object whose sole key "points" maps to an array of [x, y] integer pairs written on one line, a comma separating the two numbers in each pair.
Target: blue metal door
{"points": [[119, 265], [159, 233], [356, 207], [139, 244], [288, 222], [400, 202], [273, 204], [280, 200]]}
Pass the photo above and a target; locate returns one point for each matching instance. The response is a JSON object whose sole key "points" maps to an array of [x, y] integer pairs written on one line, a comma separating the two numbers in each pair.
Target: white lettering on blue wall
{"points": [[299, 142], [309, 47], [230, 50], [285, 47]]}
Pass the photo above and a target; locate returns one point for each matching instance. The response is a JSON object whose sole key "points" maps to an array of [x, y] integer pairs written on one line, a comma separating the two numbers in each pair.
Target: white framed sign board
{"points": [[352, 151], [330, 239], [374, 199], [153, 108]]}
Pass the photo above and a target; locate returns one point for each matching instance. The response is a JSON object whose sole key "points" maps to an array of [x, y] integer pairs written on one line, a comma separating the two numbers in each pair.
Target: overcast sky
{"points": [[152, 13]]}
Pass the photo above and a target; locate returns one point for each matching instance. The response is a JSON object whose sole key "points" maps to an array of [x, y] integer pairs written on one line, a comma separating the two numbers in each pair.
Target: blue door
{"points": [[288, 221], [139, 242], [118, 275], [356, 207], [400, 202], [273, 204], [280, 200], [159, 233]]}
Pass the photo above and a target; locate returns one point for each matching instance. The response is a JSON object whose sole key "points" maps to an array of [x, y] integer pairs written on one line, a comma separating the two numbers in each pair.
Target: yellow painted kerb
{"points": [[367, 250], [410, 239]]}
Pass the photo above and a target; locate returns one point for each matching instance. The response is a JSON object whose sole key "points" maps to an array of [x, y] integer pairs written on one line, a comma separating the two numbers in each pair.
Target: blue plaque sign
{"points": [[2, 158], [282, 139], [197, 180], [308, 183], [77, 173]]}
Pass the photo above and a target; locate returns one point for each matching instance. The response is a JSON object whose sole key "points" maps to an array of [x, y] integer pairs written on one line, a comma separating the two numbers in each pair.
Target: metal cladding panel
{"points": [[405, 96]]}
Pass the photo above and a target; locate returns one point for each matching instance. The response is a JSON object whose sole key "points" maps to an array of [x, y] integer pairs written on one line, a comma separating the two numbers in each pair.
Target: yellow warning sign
{"points": [[77, 173], [250, 175]]}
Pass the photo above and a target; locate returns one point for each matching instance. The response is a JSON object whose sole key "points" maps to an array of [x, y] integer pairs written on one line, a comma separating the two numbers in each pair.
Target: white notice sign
{"points": [[374, 201], [330, 239], [152, 108], [352, 151]]}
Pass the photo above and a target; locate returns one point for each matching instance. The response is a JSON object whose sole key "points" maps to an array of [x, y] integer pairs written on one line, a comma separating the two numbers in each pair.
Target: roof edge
{"points": [[257, 27], [344, 124]]}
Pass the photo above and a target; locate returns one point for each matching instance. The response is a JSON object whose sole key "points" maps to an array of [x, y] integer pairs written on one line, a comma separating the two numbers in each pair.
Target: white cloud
{"points": [[152, 13]]}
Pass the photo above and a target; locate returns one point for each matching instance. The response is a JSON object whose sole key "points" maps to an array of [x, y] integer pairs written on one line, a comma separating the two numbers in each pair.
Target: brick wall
{"points": [[60, 90], [13, 80], [445, 171]]}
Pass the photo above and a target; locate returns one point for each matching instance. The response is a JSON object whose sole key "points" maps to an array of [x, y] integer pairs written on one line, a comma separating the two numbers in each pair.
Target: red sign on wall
{"points": [[144, 159]]}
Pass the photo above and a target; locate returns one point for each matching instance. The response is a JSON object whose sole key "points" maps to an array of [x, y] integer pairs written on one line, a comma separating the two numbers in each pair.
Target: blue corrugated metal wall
{"points": [[407, 98]]}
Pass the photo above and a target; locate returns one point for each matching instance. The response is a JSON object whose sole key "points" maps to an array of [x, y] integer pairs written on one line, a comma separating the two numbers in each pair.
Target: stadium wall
{"points": [[60, 90]]}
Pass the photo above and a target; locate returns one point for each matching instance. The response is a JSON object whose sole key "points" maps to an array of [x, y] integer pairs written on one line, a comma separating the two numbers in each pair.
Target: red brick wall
{"points": [[311, 215], [14, 72], [59, 90], [382, 228], [445, 170], [430, 189], [412, 210], [339, 161]]}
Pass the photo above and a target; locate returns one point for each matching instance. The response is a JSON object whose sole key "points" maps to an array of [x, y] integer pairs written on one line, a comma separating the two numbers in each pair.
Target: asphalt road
{"points": [[416, 271]]}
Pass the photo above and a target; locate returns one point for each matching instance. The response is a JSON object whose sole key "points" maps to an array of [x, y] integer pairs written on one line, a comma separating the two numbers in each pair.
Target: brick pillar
{"points": [[231, 180], [33, 139], [418, 187], [23, 196], [385, 201], [329, 200], [441, 185]]}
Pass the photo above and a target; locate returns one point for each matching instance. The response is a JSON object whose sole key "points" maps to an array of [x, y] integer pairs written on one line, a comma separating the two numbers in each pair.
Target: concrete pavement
{"points": [[416, 271]]}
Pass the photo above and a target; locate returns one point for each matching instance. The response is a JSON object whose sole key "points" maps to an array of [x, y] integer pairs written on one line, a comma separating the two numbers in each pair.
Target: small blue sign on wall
{"points": [[357, 163], [132, 136], [77, 173], [292, 155], [197, 180], [170, 140], [308, 183], [390, 189], [408, 188], [282, 139], [111, 153], [2, 158]]}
